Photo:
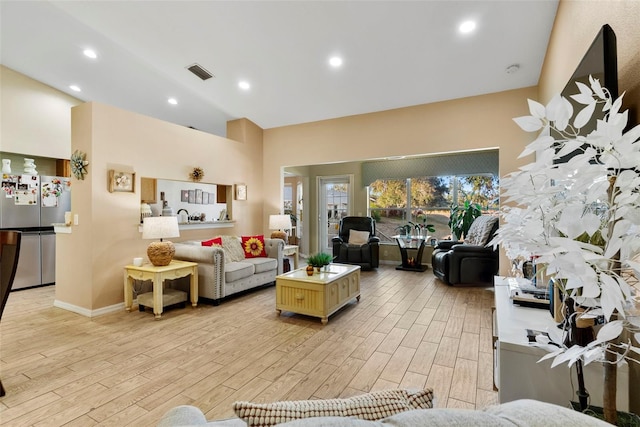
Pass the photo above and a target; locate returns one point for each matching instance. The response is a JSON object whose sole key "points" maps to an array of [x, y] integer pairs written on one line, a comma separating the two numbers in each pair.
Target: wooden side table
{"points": [[158, 275], [292, 250]]}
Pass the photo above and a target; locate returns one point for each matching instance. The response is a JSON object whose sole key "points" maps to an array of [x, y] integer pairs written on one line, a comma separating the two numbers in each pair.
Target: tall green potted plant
{"points": [[581, 220], [461, 218]]}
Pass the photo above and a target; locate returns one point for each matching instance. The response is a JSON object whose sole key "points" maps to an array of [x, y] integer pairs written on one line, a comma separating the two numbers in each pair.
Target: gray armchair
{"points": [[366, 253], [468, 262]]}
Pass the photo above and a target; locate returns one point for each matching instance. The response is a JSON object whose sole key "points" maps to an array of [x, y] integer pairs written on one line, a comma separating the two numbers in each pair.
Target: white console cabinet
{"points": [[517, 373]]}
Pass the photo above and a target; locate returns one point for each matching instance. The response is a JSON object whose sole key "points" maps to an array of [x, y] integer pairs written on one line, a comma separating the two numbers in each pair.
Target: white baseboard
{"points": [[85, 311]]}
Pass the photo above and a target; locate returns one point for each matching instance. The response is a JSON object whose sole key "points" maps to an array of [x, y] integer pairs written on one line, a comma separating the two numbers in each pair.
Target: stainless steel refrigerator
{"points": [[32, 204]]}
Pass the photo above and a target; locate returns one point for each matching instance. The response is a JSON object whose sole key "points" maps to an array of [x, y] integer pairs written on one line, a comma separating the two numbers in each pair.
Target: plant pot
{"points": [[309, 270], [625, 419]]}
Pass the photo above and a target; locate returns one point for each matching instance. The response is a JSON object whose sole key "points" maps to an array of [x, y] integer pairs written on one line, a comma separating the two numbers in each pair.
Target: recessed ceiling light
{"points": [[90, 53], [244, 85], [75, 88], [467, 27], [172, 101], [335, 61]]}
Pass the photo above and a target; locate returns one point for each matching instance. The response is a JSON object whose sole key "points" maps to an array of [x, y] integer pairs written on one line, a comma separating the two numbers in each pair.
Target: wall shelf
{"points": [[207, 224], [200, 225]]}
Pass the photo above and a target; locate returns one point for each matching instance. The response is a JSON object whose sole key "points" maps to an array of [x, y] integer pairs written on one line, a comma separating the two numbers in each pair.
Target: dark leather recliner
{"points": [[468, 262], [366, 254]]}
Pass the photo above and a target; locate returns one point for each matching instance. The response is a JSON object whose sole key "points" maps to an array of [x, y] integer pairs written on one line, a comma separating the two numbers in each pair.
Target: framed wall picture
{"points": [[184, 196], [241, 192], [119, 181]]}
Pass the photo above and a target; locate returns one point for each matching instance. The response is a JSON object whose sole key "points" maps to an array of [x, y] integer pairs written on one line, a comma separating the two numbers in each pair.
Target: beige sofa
{"points": [[223, 271], [510, 414]]}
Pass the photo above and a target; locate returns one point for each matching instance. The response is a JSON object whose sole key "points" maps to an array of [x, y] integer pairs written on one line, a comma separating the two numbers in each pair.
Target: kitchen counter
{"points": [[195, 225]]}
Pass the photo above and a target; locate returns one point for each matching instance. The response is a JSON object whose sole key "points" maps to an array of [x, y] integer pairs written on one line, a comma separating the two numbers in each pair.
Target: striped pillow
{"points": [[370, 406]]}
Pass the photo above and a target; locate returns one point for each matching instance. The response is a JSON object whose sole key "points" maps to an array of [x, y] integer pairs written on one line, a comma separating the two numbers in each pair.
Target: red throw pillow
{"points": [[253, 246], [214, 241]]}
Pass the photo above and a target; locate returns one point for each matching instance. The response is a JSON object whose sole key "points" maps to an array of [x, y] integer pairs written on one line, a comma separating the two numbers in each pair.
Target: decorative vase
{"points": [[29, 167], [309, 270], [6, 166]]}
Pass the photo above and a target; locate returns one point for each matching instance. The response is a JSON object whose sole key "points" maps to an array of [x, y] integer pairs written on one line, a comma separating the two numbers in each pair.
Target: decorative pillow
{"points": [[232, 247], [480, 230], [253, 246], [215, 241], [358, 237], [371, 406]]}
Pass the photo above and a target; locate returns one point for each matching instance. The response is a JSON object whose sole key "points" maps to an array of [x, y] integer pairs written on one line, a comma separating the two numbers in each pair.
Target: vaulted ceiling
{"points": [[395, 54]]}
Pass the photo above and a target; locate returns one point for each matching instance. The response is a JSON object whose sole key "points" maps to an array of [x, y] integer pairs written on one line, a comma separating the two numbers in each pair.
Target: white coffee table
{"points": [[319, 295]]}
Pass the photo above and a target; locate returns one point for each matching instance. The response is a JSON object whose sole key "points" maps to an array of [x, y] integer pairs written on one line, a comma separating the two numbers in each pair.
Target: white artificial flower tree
{"points": [[581, 218]]}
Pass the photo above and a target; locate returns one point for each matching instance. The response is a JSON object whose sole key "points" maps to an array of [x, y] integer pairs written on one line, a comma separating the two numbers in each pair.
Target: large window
{"points": [[394, 202]]}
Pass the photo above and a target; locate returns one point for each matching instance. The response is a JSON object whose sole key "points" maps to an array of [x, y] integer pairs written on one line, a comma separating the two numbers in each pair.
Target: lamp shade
{"points": [[279, 222], [160, 227]]}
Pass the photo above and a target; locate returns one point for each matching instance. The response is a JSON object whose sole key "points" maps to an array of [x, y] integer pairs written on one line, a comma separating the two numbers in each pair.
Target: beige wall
{"points": [[90, 259], [35, 118], [471, 123], [576, 25]]}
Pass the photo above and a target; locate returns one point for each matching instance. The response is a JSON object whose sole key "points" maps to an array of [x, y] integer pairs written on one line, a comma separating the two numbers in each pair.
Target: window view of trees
{"points": [[394, 202]]}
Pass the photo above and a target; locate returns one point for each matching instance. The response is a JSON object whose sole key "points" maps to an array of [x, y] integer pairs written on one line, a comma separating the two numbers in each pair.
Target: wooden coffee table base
{"points": [[319, 295]]}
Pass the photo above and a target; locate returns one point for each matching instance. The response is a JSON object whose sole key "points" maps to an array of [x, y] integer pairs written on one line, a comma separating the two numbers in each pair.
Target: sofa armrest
{"points": [[275, 249], [183, 415], [472, 250], [199, 254], [445, 245], [210, 261]]}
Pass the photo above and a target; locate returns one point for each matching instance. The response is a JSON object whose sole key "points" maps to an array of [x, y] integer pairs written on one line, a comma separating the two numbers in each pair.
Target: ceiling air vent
{"points": [[199, 71]]}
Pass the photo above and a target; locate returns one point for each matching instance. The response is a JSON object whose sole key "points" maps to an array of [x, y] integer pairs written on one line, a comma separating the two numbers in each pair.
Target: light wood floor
{"points": [[408, 330]]}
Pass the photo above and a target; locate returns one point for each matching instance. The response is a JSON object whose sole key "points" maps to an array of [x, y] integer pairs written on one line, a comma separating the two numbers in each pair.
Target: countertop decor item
{"points": [[30, 167], [145, 211], [79, 164], [196, 174], [6, 166], [576, 209]]}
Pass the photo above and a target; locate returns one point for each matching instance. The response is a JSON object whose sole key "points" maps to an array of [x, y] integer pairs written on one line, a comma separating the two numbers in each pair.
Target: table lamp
{"points": [[279, 223], [159, 227]]}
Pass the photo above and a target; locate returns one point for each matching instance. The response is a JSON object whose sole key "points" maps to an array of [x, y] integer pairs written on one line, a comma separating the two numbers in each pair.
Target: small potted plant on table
{"points": [[318, 261]]}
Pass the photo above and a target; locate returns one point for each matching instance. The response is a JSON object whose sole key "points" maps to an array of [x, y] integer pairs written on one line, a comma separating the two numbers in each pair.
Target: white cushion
{"points": [[238, 270], [358, 237], [262, 264]]}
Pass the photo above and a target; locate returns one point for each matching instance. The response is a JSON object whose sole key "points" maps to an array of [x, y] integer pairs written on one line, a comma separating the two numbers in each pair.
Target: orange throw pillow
{"points": [[253, 246]]}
